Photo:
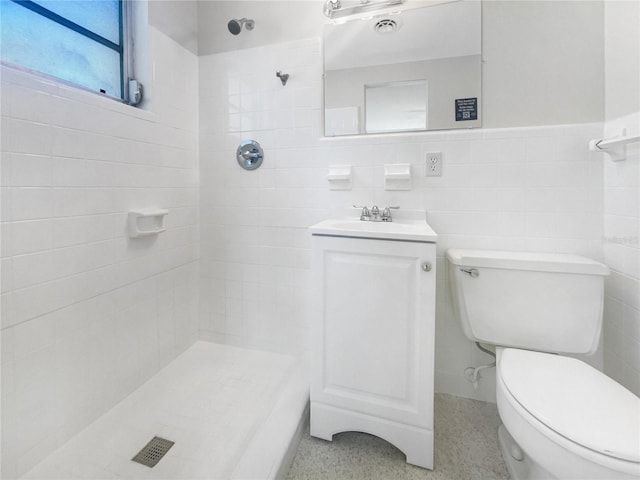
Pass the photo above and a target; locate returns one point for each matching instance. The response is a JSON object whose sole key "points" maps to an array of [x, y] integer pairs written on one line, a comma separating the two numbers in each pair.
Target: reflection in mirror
{"points": [[396, 107], [424, 62]]}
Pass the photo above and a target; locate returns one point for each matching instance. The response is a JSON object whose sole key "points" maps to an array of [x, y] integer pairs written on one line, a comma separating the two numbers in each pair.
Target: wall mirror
{"points": [[415, 70]]}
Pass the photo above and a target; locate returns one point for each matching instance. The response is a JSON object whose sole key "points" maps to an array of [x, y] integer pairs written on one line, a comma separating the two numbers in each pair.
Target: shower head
{"points": [[235, 26]]}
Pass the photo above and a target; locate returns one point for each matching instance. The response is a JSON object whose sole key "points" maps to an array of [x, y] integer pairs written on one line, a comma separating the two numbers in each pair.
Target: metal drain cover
{"points": [[153, 451]]}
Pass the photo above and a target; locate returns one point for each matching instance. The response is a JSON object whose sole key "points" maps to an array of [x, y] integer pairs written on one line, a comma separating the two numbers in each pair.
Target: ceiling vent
{"points": [[386, 25]]}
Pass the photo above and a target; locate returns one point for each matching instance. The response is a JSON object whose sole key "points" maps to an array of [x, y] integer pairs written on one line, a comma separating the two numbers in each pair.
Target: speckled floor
{"points": [[466, 447]]}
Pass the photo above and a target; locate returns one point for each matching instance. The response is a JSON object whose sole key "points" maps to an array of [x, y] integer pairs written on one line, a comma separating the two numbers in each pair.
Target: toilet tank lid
{"points": [[575, 400], [534, 261]]}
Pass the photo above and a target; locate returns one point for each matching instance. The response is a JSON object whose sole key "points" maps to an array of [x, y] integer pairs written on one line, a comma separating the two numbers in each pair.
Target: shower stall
{"points": [[193, 328]]}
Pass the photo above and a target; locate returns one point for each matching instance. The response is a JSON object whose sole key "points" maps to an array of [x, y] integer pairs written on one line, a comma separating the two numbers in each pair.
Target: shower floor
{"points": [[219, 404]]}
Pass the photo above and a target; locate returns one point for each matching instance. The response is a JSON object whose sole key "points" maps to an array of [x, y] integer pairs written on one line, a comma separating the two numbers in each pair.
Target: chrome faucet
{"points": [[374, 215], [386, 214], [366, 214]]}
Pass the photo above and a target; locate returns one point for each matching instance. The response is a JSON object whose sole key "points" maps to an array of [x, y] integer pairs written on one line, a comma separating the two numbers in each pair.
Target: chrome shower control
{"points": [[249, 155]]}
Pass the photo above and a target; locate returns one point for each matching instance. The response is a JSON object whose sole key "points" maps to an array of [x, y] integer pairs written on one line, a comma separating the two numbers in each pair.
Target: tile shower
{"points": [[87, 314], [79, 299]]}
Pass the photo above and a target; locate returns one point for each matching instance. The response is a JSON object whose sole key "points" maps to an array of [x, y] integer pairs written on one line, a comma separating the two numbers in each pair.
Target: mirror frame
{"points": [[465, 107]]}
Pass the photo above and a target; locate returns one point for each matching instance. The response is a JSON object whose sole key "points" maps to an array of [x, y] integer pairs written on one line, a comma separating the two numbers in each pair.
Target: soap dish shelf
{"points": [[339, 177], [144, 223], [397, 176]]}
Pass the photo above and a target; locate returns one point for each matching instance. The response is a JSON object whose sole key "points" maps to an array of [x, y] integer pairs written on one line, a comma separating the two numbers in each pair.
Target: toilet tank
{"points": [[536, 301]]}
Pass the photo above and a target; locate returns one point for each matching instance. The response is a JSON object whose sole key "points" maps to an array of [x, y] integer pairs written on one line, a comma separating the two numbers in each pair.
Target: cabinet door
{"points": [[373, 329]]}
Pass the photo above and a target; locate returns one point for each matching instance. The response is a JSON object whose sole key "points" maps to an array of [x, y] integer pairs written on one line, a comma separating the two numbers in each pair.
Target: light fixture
{"points": [[335, 9]]}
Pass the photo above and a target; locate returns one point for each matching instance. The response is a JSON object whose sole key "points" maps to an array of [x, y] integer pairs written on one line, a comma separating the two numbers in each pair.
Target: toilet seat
{"points": [[568, 398]]}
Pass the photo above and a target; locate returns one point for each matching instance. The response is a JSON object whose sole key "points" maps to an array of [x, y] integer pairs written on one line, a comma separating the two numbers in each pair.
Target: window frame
{"points": [[124, 48]]}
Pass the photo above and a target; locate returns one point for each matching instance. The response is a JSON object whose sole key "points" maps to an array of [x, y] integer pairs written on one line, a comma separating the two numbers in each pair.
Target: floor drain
{"points": [[153, 451]]}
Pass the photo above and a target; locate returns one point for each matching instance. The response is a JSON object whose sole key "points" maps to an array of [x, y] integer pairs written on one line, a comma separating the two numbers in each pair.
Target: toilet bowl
{"points": [[564, 419]]}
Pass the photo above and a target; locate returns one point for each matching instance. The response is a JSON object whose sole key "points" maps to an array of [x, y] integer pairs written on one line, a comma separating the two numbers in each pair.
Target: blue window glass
{"points": [[77, 41], [100, 16]]}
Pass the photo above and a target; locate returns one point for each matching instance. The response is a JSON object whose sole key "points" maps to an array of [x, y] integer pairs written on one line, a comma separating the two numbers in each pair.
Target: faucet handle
{"points": [[366, 214], [386, 213]]}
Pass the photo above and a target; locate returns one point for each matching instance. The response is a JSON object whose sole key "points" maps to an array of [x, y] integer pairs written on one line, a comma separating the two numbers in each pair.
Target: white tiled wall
{"points": [[87, 313], [622, 254], [519, 188], [622, 195]]}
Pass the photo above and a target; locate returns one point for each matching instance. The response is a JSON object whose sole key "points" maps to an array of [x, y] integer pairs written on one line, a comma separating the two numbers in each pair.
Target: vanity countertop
{"points": [[405, 229]]}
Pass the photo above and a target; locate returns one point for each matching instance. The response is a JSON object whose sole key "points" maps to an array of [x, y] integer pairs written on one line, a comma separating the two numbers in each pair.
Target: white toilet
{"points": [[562, 418]]}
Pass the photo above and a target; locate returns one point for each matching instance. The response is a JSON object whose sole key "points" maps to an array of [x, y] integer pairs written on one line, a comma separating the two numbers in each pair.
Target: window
{"points": [[79, 41]]}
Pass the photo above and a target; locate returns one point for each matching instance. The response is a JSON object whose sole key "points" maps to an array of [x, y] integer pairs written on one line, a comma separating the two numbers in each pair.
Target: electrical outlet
{"points": [[433, 164]]}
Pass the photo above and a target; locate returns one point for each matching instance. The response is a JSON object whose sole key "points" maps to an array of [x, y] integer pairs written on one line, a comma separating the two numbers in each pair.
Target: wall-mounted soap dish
{"points": [[146, 222], [397, 176], [339, 177]]}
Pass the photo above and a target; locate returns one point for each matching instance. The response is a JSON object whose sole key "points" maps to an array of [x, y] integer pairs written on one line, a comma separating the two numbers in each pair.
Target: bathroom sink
{"points": [[400, 229]]}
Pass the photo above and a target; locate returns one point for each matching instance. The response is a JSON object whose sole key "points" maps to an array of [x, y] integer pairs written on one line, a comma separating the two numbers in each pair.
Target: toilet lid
{"points": [[575, 400]]}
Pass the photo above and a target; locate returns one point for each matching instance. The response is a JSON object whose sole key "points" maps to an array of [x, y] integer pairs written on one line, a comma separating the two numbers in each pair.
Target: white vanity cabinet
{"points": [[373, 339]]}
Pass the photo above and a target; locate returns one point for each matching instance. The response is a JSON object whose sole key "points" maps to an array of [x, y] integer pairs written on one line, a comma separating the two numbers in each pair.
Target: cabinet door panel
{"points": [[368, 342], [373, 328]]}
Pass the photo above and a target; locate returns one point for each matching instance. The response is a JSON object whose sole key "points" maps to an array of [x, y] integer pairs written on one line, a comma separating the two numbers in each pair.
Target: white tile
{"points": [[6, 247], [542, 149], [632, 322], [23, 103], [622, 201], [458, 152], [512, 151], [485, 151], [22, 136], [631, 350], [574, 148], [6, 275], [31, 236], [541, 225], [65, 143], [69, 172], [30, 170], [32, 336], [68, 231], [579, 225], [31, 203], [31, 269], [302, 117], [7, 347], [67, 202]]}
